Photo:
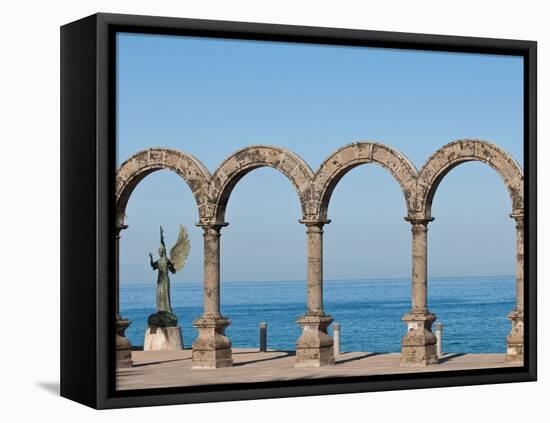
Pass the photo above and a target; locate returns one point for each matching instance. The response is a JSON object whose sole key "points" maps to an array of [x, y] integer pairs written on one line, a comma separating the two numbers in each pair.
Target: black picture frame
{"points": [[88, 171]]}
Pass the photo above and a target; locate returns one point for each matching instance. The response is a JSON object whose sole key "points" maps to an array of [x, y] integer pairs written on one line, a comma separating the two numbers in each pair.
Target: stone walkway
{"points": [[173, 368]]}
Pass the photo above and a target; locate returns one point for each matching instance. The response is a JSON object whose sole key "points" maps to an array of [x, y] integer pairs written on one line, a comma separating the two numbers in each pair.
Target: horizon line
{"points": [[337, 280]]}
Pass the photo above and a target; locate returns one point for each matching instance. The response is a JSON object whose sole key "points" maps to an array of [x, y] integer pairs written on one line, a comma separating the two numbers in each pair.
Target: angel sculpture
{"points": [[178, 255]]}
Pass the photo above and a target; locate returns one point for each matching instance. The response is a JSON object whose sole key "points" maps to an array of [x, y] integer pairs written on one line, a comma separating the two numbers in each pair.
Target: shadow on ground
{"points": [[51, 387], [280, 354], [447, 357], [359, 357]]}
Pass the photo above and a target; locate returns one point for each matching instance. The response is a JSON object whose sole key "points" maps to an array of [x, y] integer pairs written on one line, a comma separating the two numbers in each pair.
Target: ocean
{"points": [[472, 310]]}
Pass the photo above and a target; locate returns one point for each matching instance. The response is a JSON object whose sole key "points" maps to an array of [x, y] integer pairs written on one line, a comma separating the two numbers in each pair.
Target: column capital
{"points": [[119, 220], [211, 226], [315, 222], [119, 227], [419, 224], [518, 216], [419, 220]]}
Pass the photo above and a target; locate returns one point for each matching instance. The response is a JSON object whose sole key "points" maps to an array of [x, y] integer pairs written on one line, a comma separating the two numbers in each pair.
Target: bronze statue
{"points": [[164, 317]]}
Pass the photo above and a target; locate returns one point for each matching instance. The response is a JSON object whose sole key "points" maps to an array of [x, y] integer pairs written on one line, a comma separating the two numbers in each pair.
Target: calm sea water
{"points": [[472, 309]]}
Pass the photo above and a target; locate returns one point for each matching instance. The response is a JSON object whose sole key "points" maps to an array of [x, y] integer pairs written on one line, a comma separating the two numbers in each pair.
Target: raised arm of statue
{"points": [[154, 264]]}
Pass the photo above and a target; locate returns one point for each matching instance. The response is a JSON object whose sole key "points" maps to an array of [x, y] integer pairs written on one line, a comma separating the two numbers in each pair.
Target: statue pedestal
{"points": [[163, 339]]}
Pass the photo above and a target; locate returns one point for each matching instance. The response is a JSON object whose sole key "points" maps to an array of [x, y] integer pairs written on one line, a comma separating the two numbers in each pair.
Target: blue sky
{"points": [[211, 97]]}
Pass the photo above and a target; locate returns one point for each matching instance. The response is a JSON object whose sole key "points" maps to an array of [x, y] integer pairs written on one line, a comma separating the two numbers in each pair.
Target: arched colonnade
{"points": [[314, 348]]}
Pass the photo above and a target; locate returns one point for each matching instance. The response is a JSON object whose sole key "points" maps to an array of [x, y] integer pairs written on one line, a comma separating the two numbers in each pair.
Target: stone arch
{"points": [[236, 166], [141, 164], [333, 169], [451, 155]]}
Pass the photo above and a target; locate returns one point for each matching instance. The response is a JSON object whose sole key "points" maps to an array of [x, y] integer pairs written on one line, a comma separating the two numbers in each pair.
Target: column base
{"points": [[418, 346], [163, 339], [515, 339], [123, 345], [314, 348], [211, 349]]}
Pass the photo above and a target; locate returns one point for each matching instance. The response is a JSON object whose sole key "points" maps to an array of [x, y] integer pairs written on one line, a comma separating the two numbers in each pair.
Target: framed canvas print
{"points": [[259, 211]]}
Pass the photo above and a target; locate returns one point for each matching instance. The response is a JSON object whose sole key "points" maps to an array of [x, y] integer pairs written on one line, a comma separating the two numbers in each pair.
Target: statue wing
{"points": [[180, 250], [162, 237]]}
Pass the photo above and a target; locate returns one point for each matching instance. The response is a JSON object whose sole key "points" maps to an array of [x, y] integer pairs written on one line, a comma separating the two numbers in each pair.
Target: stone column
{"points": [[314, 348], [211, 349], [123, 345], [514, 340], [418, 346]]}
